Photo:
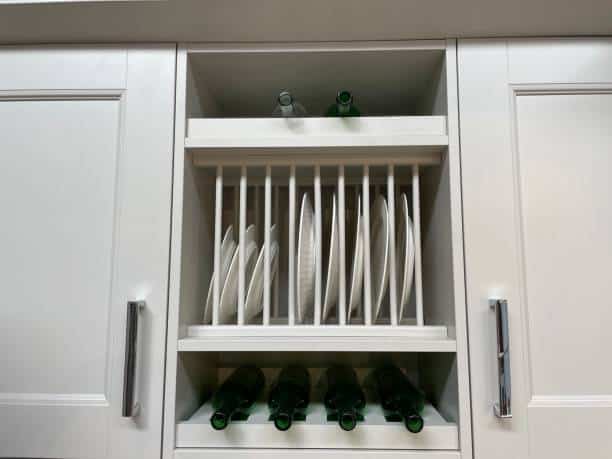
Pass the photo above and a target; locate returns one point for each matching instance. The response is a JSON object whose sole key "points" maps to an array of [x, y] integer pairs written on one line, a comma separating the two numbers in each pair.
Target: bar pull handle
{"points": [[502, 408], [129, 407]]}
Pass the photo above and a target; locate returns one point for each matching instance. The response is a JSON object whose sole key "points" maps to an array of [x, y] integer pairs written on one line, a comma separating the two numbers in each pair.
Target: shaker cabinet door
{"points": [[536, 141], [85, 188]]}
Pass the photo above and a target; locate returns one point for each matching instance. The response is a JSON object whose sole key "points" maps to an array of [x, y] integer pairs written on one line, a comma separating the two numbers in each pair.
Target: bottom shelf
{"points": [[280, 453], [316, 432]]}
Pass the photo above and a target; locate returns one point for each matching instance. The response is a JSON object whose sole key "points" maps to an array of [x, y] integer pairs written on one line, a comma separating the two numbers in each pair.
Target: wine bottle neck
{"points": [[346, 404], [412, 418], [225, 407], [344, 100], [286, 402]]}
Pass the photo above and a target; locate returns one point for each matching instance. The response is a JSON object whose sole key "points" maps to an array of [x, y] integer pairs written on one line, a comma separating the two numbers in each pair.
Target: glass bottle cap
{"points": [[285, 99]]}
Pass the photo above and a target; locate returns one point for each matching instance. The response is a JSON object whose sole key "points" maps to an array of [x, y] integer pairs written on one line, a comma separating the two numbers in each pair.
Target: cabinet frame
{"points": [[177, 331]]}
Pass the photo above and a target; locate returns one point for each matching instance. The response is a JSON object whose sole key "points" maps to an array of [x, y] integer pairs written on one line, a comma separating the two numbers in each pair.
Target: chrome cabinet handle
{"points": [[129, 408], [502, 408]]}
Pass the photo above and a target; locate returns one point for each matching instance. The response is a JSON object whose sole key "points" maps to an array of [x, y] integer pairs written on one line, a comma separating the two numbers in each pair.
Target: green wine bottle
{"points": [[237, 393], [343, 106], [289, 396], [399, 397], [344, 398]]}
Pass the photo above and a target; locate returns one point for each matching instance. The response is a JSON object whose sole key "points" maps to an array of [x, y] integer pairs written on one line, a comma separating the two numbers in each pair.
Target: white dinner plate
{"points": [[380, 253], [356, 267], [228, 246], [305, 261], [228, 304], [254, 298], [405, 260], [333, 266]]}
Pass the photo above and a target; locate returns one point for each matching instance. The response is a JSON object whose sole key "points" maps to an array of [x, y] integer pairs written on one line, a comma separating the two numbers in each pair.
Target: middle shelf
{"points": [[333, 338]]}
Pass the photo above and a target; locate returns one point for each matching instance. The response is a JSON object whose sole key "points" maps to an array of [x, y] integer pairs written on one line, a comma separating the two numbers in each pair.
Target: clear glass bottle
{"points": [[288, 107], [344, 105]]}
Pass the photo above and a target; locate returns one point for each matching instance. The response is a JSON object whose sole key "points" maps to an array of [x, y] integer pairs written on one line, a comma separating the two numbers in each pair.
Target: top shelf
{"points": [[385, 78], [414, 138]]}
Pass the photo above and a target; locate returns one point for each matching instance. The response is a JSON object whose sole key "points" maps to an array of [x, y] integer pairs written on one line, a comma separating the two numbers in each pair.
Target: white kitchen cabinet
{"points": [[85, 192], [536, 166], [88, 181]]}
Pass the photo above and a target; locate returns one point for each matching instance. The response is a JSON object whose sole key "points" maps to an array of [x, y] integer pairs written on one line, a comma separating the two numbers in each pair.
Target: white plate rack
{"points": [[268, 194]]}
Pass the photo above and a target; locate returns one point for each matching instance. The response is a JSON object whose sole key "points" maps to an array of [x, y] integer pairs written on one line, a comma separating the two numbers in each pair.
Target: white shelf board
{"points": [[284, 453], [419, 139], [353, 338], [316, 432]]}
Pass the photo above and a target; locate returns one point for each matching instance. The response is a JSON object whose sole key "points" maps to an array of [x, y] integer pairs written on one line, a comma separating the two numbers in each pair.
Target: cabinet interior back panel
{"points": [[384, 82]]}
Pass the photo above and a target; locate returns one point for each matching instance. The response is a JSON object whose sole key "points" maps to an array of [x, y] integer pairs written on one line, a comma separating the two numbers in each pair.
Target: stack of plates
{"points": [[230, 264], [380, 260], [306, 262]]}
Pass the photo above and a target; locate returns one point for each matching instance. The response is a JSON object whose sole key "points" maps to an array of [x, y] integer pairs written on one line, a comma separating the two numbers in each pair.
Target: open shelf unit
{"points": [[241, 173]]}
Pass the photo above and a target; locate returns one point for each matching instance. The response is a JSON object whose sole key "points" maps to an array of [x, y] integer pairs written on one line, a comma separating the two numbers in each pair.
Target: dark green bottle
{"points": [[289, 396], [343, 106], [236, 394], [344, 398], [399, 397]]}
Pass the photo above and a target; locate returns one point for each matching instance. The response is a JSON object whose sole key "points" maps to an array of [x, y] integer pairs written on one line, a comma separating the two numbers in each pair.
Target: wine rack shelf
{"points": [[284, 453], [374, 432], [327, 338]]}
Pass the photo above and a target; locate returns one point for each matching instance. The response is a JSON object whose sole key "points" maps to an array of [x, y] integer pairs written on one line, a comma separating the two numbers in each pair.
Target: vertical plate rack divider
{"points": [[236, 166]]}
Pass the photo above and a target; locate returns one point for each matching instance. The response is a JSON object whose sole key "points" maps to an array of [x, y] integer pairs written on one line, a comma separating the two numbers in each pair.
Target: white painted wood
{"points": [[318, 216], [548, 60], [242, 245], [291, 249], [316, 132], [85, 229], [392, 254], [279, 453], [318, 339], [18, 73], [367, 284], [316, 47], [316, 431], [176, 246], [277, 222], [541, 240], [328, 156], [194, 21], [267, 242], [341, 247], [416, 219], [456, 289], [217, 244]]}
